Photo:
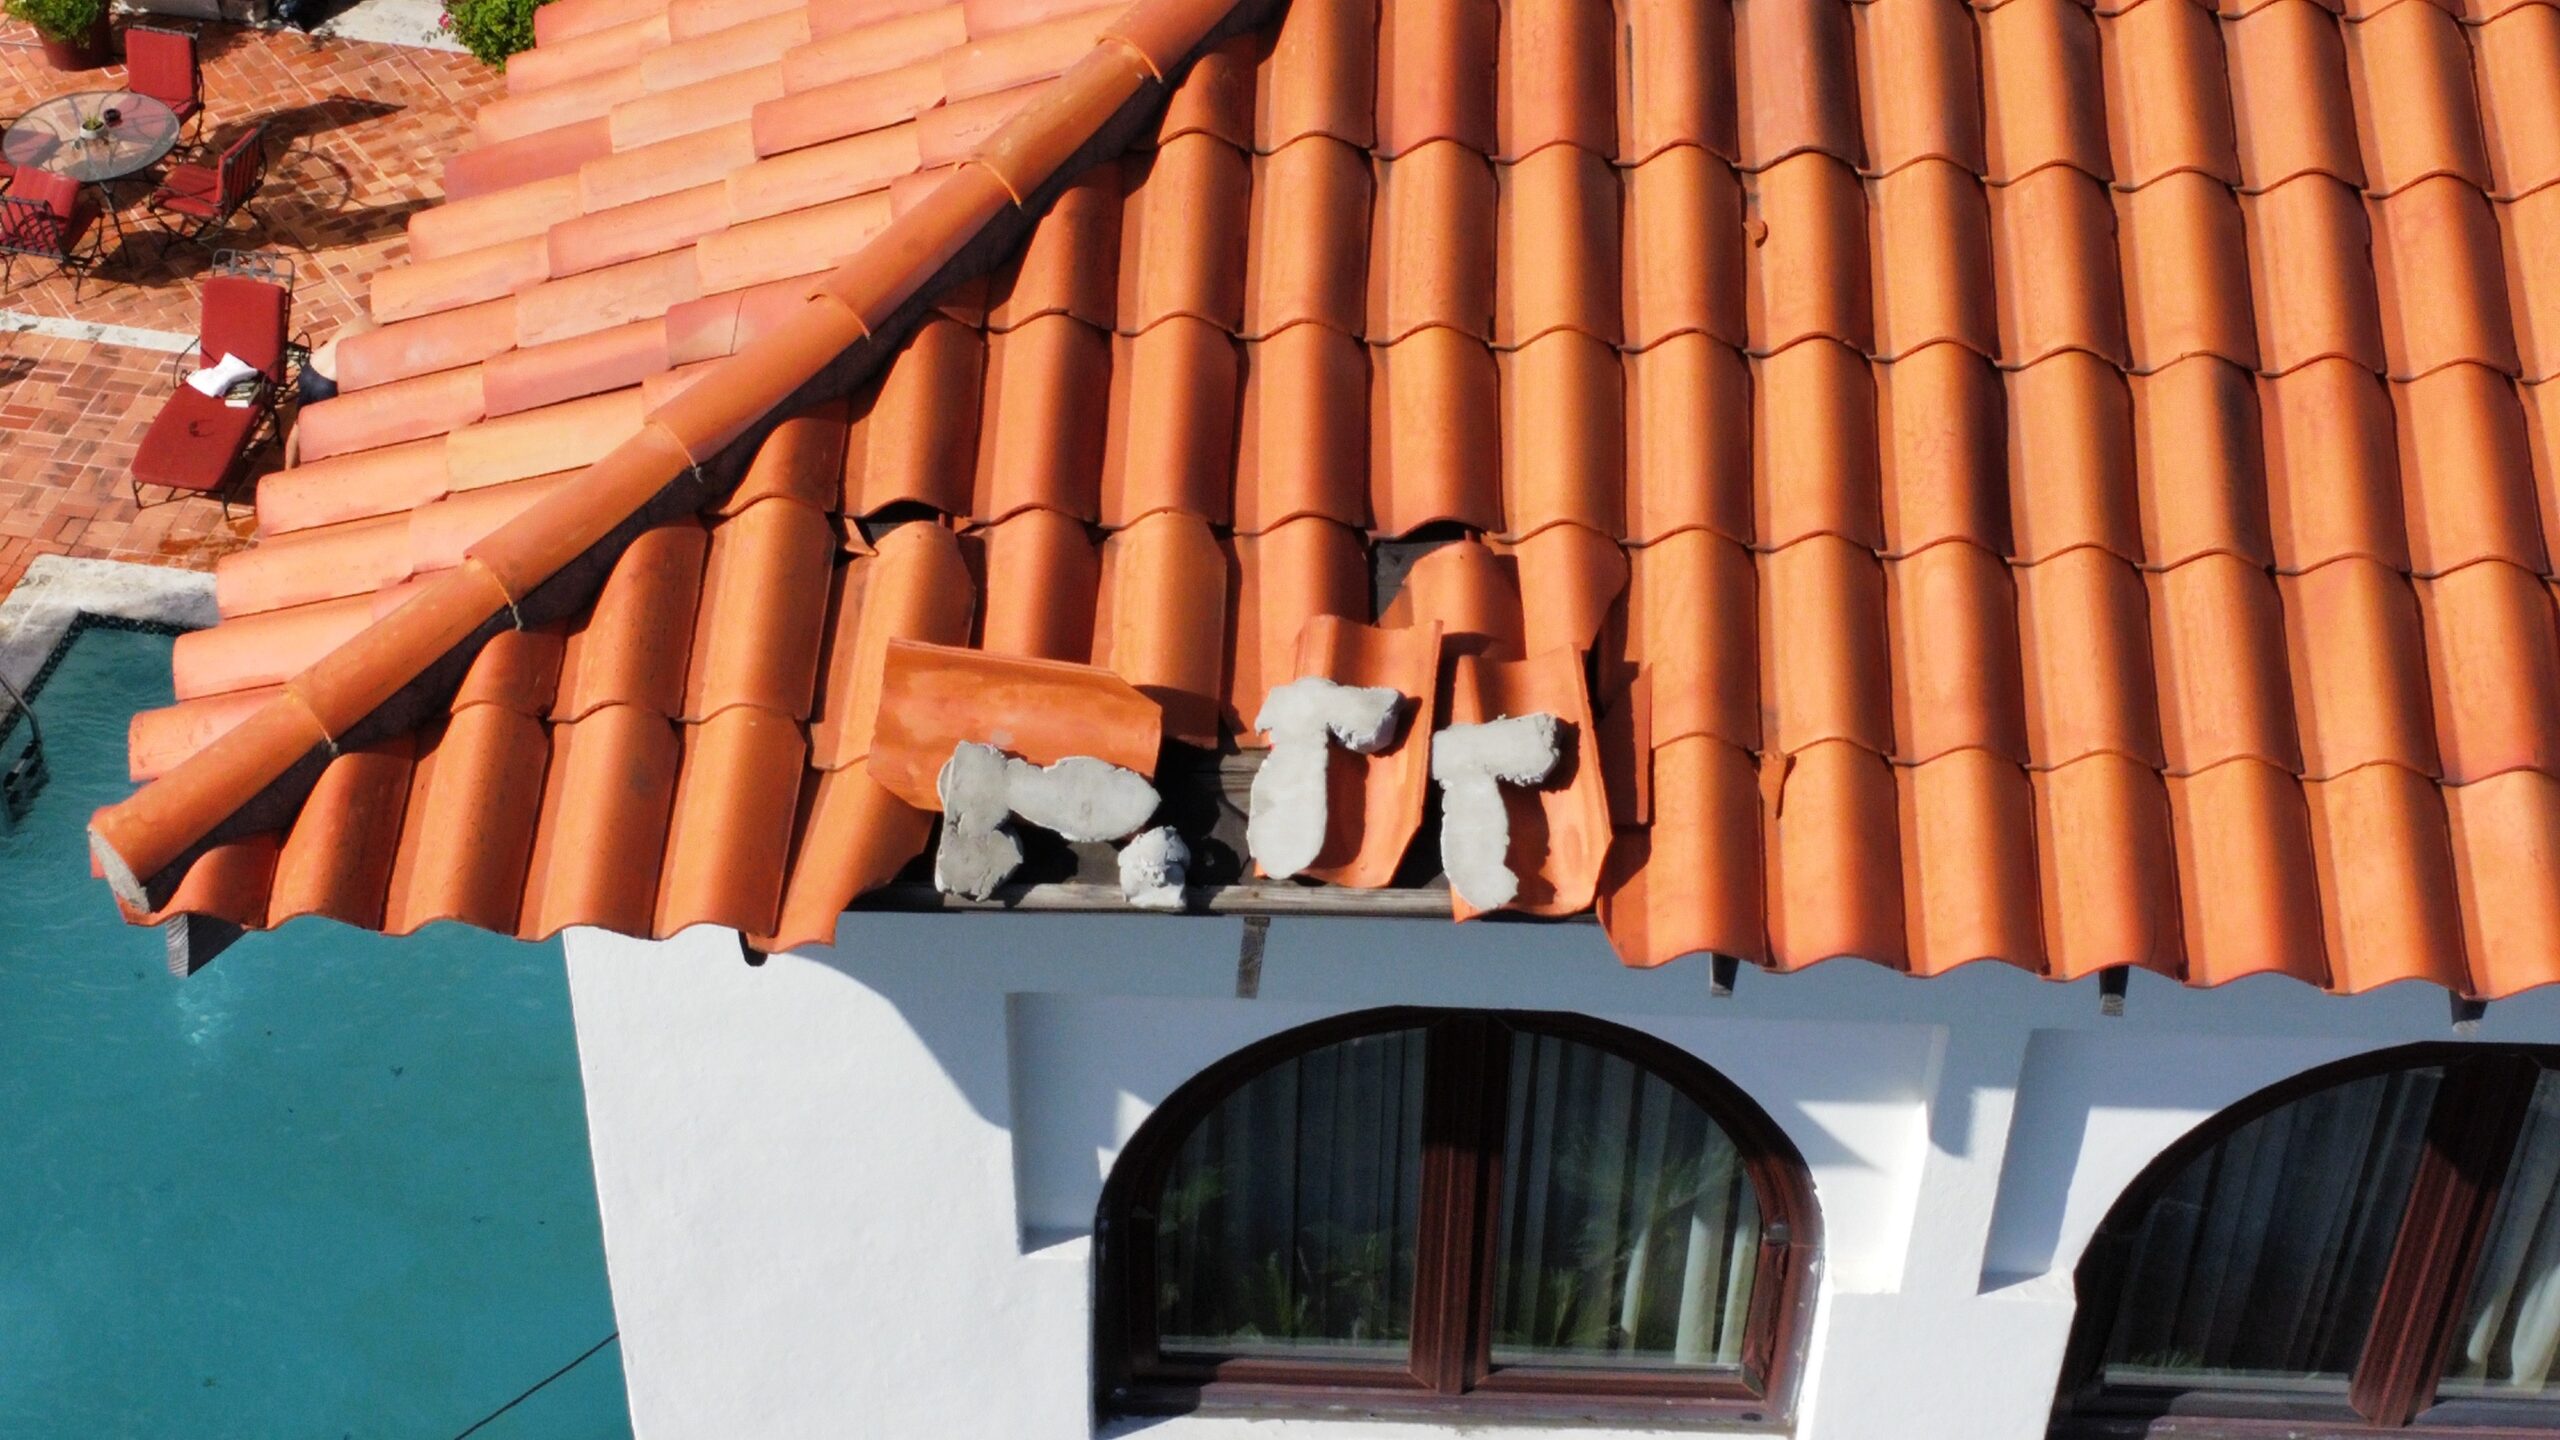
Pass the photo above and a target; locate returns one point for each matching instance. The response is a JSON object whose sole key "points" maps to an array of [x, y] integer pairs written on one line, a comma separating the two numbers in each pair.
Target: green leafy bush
{"points": [[69, 20], [490, 29]]}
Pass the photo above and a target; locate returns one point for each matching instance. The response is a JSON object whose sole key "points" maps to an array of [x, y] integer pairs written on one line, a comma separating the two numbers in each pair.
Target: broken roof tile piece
{"points": [[2055, 484]]}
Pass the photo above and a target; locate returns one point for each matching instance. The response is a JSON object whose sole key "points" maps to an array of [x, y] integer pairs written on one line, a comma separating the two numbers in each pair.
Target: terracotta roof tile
{"points": [[1683, 254], [1814, 461], [1972, 804], [2466, 478], [2218, 660], [2246, 880], [1564, 423], [1931, 239], [1220, 94], [2168, 95], [2071, 458], [1559, 78], [2186, 272], [2053, 247], [1303, 427], [1807, 258], [1316, 74], [2516, 55], [2531, 229], [2503, 831], [1932, 110], [1416, 279], [1830, 838], [2084, 639], [814, 110], [1172, 428], [2493, 670], [2292, 111], [1688, 447], [2040, 68], [1312, 269], [2104, 822], [1182, 234], [2333, 483], [2419, 114], [1795, 81], [1941, 430], [2313, 296], [1436, 63], [1434, 417], [1559, 211], [2437, 267], [1677, 83], [2198, 463], [2057, 484]]}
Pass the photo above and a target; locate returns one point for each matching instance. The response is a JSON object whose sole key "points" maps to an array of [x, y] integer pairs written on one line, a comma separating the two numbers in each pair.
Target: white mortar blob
{"points": [[1152, 868], [1287, 823], [1080, 798], [1471, 763]]}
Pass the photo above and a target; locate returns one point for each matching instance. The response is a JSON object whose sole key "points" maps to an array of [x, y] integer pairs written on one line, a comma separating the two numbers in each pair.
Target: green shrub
{"points": [[490, 29], [70, 20]]}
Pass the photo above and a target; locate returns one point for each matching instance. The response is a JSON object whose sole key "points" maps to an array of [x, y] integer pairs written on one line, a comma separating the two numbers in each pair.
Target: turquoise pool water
{"points": [[334, 1186]]}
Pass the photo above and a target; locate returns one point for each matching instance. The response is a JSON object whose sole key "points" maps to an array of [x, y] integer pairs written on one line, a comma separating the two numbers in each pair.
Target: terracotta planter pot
{"points": [[85, 52]]}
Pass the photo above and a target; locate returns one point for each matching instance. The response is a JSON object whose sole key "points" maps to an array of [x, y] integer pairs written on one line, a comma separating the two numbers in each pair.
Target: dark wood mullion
{"points": [[1447, 1282], [2471, 1134]]}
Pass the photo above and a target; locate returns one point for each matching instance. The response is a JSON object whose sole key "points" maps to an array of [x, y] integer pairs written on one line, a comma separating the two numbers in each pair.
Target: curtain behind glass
{"points": [[2260, 1264], [1286, 1223], [2510, 1331], [1630, 1232]]}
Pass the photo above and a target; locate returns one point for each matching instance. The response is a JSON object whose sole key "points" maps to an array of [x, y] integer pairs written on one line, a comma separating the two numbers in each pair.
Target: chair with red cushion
{"points": [[198, 444], [162, 64], [197, 201], [45, 216]]}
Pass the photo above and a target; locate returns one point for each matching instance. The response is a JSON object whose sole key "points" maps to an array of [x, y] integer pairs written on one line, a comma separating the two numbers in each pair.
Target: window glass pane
{"points": [[1286, 1224], [2511, 1324], [1630, 1233], [2259, 1265]]}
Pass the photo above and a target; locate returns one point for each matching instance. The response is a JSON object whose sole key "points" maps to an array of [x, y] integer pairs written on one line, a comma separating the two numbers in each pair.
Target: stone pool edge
{"points": [[59, 593]]}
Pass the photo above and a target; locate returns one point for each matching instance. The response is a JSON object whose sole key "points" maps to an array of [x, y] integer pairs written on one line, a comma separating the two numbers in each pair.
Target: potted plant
{"points": [[74, 31]]}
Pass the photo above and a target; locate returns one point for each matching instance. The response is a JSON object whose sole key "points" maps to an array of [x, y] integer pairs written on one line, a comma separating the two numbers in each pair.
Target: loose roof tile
{"points": [[2056, 484]]}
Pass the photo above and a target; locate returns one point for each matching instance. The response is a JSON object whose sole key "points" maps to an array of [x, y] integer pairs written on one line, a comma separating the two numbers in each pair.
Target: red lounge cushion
{"points": [[247, 318], [193, 442]]}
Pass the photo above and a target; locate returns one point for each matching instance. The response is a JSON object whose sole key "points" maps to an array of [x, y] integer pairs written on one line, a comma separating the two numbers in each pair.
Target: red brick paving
{"points": [[360, 131]]}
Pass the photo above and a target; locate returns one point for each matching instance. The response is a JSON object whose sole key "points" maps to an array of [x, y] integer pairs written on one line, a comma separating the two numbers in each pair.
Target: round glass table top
{"points": [[92, 135]]}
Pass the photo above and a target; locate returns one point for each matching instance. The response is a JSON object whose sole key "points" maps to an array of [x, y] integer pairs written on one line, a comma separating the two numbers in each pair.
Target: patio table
{"points": [[96, 137]]}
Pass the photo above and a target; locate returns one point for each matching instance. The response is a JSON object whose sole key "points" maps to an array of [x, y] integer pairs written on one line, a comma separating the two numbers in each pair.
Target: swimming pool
{"points": [[333, 1186]]}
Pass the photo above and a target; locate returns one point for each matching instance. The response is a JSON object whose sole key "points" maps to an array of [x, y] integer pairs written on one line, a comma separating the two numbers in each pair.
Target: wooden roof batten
{"points": [[549, 562]]}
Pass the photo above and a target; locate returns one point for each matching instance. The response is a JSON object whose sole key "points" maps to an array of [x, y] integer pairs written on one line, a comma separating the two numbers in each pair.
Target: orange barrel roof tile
{"points": [[2059, 484]]}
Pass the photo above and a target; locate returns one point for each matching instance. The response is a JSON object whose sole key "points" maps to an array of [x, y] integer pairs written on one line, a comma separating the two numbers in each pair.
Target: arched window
{"points": [[2373, 1246], [1433, 1211]]}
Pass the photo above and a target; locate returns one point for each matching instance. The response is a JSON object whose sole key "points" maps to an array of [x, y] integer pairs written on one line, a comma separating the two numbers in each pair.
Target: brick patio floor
{"points": [[359, 132]]}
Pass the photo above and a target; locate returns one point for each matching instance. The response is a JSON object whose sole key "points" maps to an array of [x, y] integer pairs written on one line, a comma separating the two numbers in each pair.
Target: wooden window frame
{"points": [[2472, 1127], [1448, 1368]]}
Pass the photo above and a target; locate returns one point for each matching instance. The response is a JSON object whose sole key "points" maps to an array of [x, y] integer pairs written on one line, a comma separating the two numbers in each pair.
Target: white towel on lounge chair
{"points": [[221, 375]]}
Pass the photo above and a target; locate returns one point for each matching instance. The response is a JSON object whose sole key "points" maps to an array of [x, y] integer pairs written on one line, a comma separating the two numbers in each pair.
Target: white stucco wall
{"points": [[850, 1193]]}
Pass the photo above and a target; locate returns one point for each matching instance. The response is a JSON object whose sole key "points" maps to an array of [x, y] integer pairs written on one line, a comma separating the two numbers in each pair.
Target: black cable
{"points": [[483, 1421]]}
